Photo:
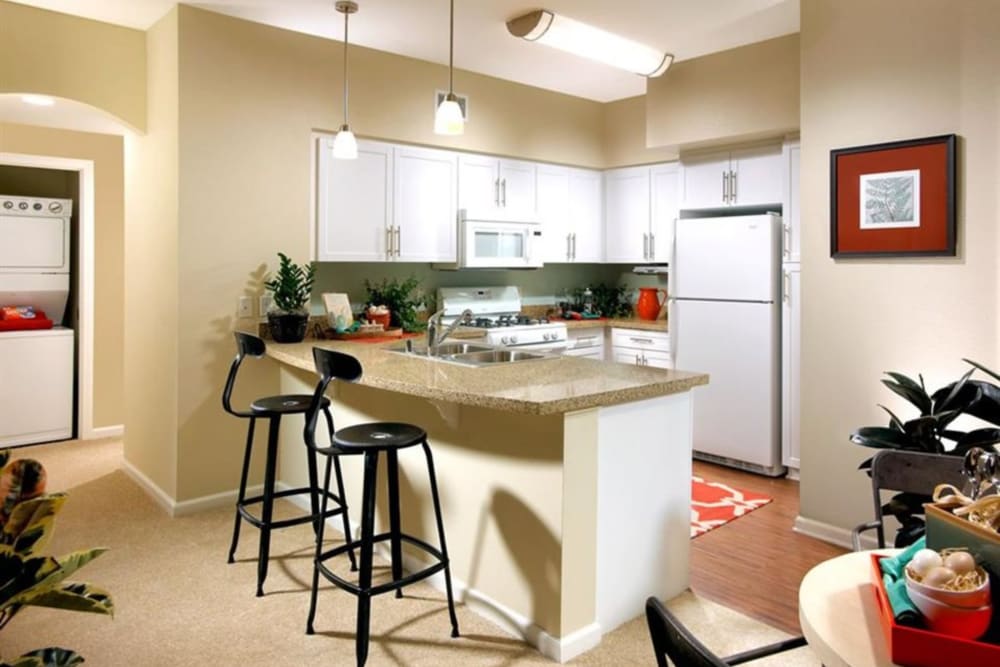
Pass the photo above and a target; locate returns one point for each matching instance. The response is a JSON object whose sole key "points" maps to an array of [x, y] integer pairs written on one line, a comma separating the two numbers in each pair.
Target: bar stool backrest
{"points": [[330, 365], [247, 345]]}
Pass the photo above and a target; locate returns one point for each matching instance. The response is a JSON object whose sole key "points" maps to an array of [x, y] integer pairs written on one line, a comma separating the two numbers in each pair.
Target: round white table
{"points": [[838, 613]]}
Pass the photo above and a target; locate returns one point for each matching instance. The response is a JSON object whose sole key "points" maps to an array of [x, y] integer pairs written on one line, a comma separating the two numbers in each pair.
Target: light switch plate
{"points": [[265, 304], [245, 307]]}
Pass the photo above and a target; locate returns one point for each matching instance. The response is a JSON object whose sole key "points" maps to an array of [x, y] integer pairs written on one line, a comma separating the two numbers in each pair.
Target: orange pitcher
{"points": [[649, 303]]}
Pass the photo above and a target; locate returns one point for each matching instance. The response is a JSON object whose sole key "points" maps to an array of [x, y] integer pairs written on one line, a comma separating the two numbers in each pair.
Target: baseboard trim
{"points": [[101, 432], [517, 625], [184, 507], [830, 533]]}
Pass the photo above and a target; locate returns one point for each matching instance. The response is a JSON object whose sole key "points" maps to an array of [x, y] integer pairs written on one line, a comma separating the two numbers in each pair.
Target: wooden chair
{"points": [[906, 472], [672, 640]]}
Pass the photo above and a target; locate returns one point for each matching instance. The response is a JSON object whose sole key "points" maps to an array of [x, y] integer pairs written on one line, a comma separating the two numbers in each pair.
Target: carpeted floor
{"points": [[179, 603]]}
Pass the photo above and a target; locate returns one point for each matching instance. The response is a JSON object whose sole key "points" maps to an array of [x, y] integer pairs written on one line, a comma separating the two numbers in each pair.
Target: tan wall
{"points": [[867, 78], [745, 93], [625, 135], [109, 211], [66, 56], [151, 271], [249, 97]]}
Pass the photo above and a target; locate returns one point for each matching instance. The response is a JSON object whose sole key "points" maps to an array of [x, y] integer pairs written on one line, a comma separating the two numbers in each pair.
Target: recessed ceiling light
{"points": [[38, 100], [585, 40]]}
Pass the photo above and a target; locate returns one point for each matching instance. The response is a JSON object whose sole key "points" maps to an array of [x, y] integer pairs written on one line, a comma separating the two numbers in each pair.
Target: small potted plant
{"points": [[401, 299], [290, 288]]}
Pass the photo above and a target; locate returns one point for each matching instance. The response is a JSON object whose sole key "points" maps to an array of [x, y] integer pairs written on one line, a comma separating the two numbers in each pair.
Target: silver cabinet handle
{"points": [[652, 246], [496, 191], [574, 244], [645, 246], [399, 240], [637, 360], [786, 241], [503, 189], [732, 187], [647, 341], [725, 187], [388, 242], [569, 247]]}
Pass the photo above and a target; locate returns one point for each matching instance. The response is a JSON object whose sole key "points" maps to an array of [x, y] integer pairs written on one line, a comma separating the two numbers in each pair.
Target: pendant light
{"points": [[448, 119], [345, 146]]}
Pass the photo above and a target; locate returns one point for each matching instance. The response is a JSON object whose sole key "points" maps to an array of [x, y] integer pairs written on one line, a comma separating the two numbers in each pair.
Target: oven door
{"points": [[500, 245]]}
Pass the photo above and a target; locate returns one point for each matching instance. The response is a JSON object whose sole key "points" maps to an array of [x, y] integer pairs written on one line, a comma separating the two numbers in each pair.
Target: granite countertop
{"points": [[624, 323], [542, 387]]}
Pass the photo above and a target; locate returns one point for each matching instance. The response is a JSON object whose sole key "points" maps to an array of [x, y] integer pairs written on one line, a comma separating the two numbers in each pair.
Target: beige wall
{"points": [[109, 211], [65, 56], [867, 77], [152, 316], [745, 93], [625, 135]]}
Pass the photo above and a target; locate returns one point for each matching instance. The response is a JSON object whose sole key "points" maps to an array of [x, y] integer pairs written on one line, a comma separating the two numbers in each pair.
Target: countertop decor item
{"points": [[290, 288], [894, 199], [931, 431], [402, 299], [649, 303]]}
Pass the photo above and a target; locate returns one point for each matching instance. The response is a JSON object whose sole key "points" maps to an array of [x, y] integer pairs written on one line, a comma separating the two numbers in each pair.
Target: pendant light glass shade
{"points": [[448, 119], [345, 145]]}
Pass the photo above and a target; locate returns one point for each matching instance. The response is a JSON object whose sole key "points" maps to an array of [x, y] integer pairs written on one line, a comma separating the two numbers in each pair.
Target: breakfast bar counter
{"points": [[565, 483]]}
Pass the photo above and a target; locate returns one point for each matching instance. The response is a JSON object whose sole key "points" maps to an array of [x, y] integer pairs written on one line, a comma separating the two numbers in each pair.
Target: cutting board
{"points": [[337, 305]]}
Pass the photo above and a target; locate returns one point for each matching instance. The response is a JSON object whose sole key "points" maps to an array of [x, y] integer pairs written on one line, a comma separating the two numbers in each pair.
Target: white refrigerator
{"points": [[726, 320]]}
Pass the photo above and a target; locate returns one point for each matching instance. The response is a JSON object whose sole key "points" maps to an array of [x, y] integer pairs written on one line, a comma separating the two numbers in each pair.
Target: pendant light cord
{"points": [[451, 51], [346, 14]]}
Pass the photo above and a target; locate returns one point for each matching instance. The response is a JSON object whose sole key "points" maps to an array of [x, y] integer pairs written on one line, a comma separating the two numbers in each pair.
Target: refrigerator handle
{"points": [[786, 288], [671, 327], [786, 241]]}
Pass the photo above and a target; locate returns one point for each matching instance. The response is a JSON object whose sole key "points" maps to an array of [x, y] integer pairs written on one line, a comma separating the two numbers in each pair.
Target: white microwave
{"points": [[492, 241]]}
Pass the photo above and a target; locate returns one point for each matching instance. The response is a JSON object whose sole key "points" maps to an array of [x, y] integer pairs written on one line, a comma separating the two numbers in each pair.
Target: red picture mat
{"points": [[714, 504], [934, 158]]}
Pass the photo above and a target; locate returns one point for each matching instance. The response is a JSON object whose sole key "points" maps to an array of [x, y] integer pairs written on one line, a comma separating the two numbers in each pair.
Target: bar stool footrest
{"points": [[395, 584], [243, 508]]}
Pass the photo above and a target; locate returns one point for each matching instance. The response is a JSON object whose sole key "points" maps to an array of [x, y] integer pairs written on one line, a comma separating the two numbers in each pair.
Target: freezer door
{"points": [[736, 415], [734, 258]]}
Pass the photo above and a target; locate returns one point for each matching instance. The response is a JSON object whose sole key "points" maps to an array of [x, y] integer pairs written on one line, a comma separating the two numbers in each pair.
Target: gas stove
{"points": [[496, 313]]}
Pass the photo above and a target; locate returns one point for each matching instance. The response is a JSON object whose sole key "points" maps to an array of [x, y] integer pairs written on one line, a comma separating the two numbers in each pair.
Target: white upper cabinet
{"points": [[641, 207], [626, 218], [424, 207], [586, 215], [665, 186], [487, 183], [741, 177], [791, 241], [569, 205], [354, 203]]}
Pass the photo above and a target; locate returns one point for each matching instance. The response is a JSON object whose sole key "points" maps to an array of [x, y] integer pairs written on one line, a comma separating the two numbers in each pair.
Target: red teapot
{"points": [[649, 303]]}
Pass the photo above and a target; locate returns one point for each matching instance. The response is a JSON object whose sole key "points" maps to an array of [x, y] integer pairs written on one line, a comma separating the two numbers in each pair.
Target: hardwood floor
{"points": [[755, 563]]}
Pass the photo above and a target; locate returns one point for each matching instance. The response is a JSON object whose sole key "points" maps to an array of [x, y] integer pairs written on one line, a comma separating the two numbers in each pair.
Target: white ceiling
{"points": [[419, 29]]}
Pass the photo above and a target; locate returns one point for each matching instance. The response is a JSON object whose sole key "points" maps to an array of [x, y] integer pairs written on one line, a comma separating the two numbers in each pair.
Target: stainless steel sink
{"points": [[466, 354], [497, 356], [448, 349]]}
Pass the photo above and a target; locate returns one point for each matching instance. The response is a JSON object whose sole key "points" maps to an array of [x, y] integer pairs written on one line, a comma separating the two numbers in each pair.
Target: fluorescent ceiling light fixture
{"points": [[38, 100], [580, 39]]}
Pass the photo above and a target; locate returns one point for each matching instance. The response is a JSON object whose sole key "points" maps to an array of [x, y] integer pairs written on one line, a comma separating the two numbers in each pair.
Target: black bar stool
{"points": [[371, 440], [273, 408]]}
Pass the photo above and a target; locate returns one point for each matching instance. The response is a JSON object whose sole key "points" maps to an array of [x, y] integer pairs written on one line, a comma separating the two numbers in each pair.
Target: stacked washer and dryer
{"points": [[37, 366]]}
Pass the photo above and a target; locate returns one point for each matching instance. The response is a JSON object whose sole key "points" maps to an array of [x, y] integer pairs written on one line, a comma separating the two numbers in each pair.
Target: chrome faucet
{"points": [[434, 339]]}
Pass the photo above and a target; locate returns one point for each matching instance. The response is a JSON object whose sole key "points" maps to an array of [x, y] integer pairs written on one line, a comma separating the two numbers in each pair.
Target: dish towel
{"points": [[895, 585]]}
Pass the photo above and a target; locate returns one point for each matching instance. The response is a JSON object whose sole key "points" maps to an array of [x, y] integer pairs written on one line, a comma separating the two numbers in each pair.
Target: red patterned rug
{"points": [[714, 504]]}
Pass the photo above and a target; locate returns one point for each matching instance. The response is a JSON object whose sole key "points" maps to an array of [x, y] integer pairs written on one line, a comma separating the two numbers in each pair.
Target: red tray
{"points": [[26, 325], [913, 647]]}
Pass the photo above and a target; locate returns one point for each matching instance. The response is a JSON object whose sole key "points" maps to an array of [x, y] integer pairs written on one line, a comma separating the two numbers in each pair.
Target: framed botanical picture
{"points": [[893, 200]]}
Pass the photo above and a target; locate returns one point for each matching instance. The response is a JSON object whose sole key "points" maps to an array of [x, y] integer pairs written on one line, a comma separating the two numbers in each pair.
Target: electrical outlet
{"points": [[265, 304], [245, 307]]}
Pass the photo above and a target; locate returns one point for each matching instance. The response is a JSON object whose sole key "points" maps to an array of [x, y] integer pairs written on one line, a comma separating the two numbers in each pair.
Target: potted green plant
{"points": [[290, 288], [401, 297], [27, 515], [931, 432]]}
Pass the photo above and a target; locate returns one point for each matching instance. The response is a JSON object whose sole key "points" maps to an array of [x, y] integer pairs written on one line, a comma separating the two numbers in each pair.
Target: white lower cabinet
{"points": [[641, 348], [791, 337], [588, 343]]}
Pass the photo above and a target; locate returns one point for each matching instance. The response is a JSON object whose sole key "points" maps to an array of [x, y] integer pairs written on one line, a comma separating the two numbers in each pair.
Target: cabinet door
{"points": [[791, 314], [626, 232], [665, 204], [553, 211], [791, 239], [623, 355], [478, 183], [586, 215], [354, 211], [703, 182], [759, 176], [656, 359], [517, 188], [425, 204]]}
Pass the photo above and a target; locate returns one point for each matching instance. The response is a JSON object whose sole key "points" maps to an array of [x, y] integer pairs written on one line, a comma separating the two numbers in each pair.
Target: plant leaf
{"points": [[881, 437], [48, 579], [51, 657], [32, 519], [909, 390], [76, 597], [894, 421], [984, 369]]}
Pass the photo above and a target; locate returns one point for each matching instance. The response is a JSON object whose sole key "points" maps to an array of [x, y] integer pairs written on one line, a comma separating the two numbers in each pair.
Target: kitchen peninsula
{"points": [[565, 482]]}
